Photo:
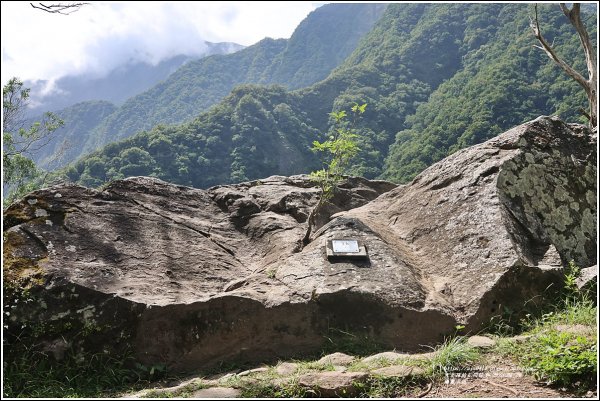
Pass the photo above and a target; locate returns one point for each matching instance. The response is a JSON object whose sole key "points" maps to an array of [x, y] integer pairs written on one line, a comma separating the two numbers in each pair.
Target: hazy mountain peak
{"points": [[117, 85]]}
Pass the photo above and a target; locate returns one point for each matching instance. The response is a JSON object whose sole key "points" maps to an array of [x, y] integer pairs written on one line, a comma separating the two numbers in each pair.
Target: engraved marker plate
{"points": [[345, 246]]}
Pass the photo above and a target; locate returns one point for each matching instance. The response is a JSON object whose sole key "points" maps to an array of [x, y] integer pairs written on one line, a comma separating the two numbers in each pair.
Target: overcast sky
{"points": [[101, 35]]}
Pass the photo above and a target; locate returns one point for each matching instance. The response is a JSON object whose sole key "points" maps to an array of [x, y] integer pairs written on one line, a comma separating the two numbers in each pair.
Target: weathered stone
{"points": [[396, 356], [587, 282], [481, 342], [286, 368], [193, 277], [217, 392], [172, 389], [399, 371], [252, 371], [175, 274], [523, 338], [337, 358], [579, 329], [224, 377], [333, 384]]}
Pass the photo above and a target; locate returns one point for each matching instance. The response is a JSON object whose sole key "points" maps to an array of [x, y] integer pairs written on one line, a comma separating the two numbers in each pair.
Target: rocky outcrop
{"points": [[178, 275], [191, 278], [488, 227]]}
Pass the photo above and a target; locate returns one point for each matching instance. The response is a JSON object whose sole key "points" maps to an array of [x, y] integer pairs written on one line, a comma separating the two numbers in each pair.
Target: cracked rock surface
{"points": [[192, 278]]}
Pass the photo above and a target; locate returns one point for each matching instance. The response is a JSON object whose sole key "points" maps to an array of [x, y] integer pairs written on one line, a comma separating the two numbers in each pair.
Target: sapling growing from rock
{"points": [[337, 153]]}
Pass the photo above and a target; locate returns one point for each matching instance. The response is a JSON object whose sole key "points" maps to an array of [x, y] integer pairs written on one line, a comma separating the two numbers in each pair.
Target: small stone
{"points": [[222, 376], [333, 384], [336, 358], [286, 368], [383, 356], [396, 356], [252, 371], [399, 371], [32, 201], [41, 213], [587, 281], [575, 328], [217, 392], [481, 342], [521, 338]]}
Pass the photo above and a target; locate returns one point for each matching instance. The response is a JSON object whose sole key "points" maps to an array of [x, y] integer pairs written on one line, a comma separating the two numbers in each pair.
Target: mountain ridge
{"points": [[308, 56], [409, 123]]}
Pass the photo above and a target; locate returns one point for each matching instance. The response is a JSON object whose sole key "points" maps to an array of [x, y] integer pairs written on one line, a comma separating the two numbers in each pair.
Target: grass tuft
{"points": [[453, 354], [33, 374]]}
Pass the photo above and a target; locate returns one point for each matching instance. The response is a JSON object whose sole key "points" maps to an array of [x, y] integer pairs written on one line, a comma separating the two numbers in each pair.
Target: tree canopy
{"points": [[20, 140]]}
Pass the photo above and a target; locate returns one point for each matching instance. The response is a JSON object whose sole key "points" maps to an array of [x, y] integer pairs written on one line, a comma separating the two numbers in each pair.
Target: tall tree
{"points": [[21, 140], [589, 84]]}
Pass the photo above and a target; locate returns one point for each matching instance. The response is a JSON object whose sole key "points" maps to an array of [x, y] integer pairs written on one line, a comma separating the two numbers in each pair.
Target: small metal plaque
{"points": [[346, 248]]}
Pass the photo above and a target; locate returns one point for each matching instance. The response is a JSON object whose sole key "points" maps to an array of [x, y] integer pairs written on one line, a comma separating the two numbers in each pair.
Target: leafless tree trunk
{"points": [[589, 84]]}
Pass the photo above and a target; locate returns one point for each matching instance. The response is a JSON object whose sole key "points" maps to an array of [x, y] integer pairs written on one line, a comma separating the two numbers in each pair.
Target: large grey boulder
{"points": [[488, 229], [191, 278]]}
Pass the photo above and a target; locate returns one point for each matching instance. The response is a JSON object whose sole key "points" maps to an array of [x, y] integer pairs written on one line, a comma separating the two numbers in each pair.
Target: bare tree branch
{"points": [[574, 17], [589, 84], [535, 26], [584, 113], [59, 8]]}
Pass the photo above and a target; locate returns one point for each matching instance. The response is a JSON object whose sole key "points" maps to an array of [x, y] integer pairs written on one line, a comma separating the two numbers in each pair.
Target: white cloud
{"points": [[102, 35]]}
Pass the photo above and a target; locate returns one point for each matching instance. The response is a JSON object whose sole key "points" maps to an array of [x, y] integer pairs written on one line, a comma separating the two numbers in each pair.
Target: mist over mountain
{"points": [[116, 85]]}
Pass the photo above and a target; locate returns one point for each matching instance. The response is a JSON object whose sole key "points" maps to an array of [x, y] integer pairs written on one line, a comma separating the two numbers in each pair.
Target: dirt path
{"points": [[499, 378]]}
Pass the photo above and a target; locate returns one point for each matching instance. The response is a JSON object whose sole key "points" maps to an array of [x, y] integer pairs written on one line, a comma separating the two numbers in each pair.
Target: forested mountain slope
{"points": [[504, 80], [436, 77], [320, 43], [66, 142]]}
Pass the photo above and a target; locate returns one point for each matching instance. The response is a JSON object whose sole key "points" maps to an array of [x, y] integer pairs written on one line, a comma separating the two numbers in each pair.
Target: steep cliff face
{"points": [[192, 278]]}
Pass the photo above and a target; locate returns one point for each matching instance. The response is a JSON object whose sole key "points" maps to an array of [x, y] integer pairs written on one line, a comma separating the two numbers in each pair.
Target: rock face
{"points": [[191, 278], [587, 282], [489, 227]]}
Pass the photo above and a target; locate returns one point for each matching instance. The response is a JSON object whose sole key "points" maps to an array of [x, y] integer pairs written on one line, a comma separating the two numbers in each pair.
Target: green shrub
{"points": [[561, 357]]}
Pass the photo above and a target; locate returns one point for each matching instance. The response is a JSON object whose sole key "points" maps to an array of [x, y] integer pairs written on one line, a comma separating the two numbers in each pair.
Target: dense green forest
{"points": [[66, 142], [436, 78]]}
